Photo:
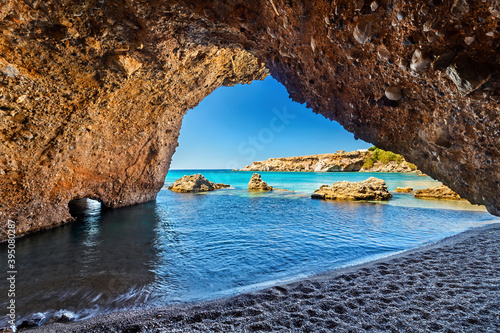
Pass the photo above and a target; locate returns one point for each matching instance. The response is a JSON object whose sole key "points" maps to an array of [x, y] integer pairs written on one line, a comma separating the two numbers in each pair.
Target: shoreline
{"points": [[452, 284]]}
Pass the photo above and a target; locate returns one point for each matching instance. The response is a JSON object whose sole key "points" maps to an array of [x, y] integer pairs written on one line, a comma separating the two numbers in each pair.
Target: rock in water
{"points": [[438, 192], [257, 184], [370, 189], [404, 190], [195, 183]]}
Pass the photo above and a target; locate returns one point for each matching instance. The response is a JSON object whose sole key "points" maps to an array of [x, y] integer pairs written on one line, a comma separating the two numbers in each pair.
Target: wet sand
{"points": [[449, 286]]}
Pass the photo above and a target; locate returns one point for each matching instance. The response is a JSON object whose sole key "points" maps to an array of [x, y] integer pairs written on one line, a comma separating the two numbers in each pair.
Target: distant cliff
{"points": [[373, 160]]}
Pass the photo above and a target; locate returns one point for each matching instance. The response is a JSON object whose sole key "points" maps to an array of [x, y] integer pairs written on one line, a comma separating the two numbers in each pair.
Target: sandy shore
{"points": [[449, 286]]}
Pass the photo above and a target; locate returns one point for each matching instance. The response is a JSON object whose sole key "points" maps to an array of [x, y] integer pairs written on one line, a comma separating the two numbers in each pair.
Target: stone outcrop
{"points": [[370, 189], [404, 190], [439, 192], [195, 183], [92, 93], [338, 162], [391, 166], [257, 184], [352, 161]]}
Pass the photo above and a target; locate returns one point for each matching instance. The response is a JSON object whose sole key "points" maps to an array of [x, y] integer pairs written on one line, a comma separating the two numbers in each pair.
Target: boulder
{"points": [[370, 189], [257, 184], [404, 190], [439, 192], [195, 183]]}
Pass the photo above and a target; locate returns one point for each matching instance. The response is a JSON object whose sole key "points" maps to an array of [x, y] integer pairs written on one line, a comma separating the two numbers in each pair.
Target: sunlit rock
{"points": [[195, 183], [439, 192], [257, 184], [370, 189]]}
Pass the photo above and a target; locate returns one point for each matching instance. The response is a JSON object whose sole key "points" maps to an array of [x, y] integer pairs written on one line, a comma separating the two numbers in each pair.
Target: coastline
{"points": [[450, 284]]}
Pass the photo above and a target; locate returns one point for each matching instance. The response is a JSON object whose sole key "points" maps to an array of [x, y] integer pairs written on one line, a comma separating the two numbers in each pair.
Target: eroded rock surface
{"points": [[370, 189], [257, 184], [439, 192], [92, 93], [195, 183]]}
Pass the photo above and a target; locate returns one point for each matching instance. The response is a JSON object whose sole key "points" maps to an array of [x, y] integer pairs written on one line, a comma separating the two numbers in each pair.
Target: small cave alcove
{"points": [[83, 207]]}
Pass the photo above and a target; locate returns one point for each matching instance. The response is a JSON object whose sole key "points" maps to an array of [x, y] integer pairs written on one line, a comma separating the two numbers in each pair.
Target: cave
{"points": [[93, 93], [82, 207]]}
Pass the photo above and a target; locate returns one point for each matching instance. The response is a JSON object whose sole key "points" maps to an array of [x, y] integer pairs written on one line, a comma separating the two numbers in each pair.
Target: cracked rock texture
{"points": [[92, 93]]}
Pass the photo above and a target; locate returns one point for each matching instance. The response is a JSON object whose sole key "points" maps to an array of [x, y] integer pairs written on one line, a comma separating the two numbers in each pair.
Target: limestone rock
{"points": [[391, 166], [257, 184], [404, 190], [195, 183], [370, 189], [350, 161], [438, 192]]}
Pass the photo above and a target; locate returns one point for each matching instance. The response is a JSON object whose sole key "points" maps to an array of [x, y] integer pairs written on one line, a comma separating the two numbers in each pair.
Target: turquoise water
{"points": [[304, 184], [192, 247]]}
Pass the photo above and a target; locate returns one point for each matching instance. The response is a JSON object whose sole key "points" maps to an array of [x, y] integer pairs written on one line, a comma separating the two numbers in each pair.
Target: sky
{"points": [[234, 126]]}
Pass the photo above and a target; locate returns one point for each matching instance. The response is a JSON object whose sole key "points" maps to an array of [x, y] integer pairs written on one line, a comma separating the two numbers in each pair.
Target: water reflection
{"points": [[100, 262]]}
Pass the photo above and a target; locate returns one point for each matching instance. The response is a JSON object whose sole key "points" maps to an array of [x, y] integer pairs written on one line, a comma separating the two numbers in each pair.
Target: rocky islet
{"points": [[195, 183], [372, 189]]}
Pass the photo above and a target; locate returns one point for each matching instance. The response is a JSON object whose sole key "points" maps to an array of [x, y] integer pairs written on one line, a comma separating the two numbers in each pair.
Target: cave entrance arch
{"points": [[234, 126], [116, 80]]}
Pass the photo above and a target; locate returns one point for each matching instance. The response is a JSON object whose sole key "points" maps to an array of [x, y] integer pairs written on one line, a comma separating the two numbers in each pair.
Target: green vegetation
{"points": [[383, 156]]}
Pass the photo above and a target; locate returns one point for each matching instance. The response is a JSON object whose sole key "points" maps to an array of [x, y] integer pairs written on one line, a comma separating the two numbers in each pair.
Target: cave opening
{"points": [[234, 126], [84, 207]]}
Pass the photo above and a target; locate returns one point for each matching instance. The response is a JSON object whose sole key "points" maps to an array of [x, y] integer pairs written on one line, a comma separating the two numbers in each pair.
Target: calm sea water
{"points": [[192, 247]]}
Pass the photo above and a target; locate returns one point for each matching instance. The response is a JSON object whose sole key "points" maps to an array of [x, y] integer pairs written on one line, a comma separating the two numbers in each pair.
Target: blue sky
{"points": [[237, 125]]}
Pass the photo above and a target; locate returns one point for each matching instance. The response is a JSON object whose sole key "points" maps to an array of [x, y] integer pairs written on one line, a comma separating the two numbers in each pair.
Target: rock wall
{"points": [[93, 92]]}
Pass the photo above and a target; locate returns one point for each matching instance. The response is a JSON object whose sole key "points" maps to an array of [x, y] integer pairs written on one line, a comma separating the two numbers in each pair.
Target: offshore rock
{"points": [[403, 190], [257, 184], [195, 183], [106, 129], [439, 192], [370, 189]]}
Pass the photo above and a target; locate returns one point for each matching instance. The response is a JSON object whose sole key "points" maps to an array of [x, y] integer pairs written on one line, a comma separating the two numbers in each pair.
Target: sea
{"points": [[186, 248]]}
